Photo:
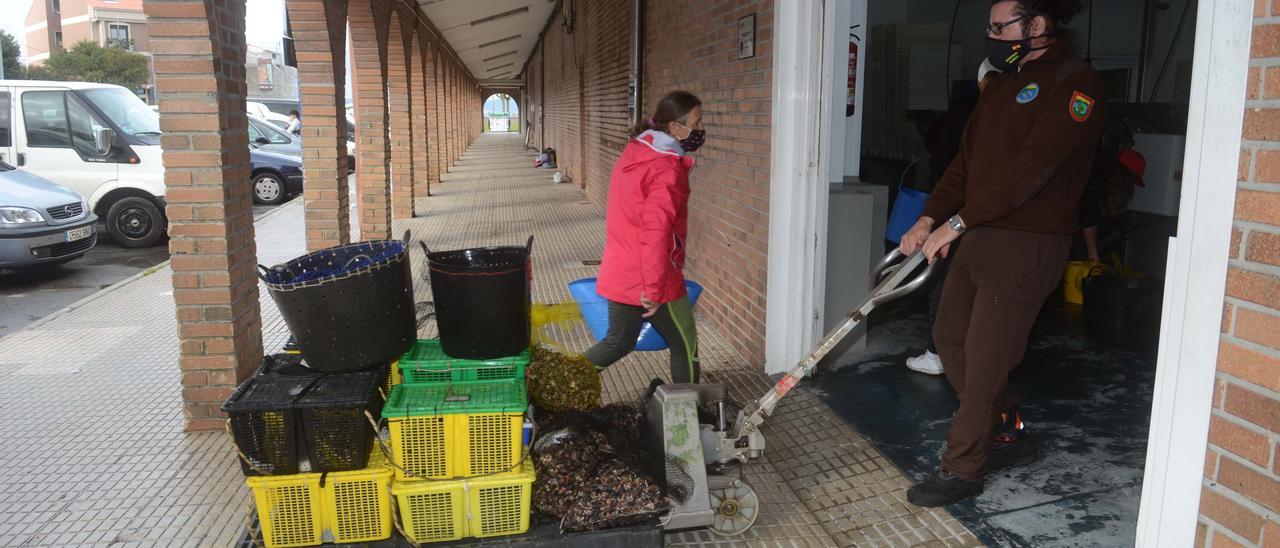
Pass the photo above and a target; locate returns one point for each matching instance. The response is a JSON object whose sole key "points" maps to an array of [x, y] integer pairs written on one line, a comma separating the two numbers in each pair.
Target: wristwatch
{"points": [[956, 224]]}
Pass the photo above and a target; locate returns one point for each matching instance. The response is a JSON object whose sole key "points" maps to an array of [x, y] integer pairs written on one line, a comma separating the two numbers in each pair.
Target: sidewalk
{"points": [[90, 398]]}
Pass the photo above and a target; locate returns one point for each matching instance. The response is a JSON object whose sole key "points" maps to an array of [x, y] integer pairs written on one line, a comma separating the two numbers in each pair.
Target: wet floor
{"points": [[1087, 404]]}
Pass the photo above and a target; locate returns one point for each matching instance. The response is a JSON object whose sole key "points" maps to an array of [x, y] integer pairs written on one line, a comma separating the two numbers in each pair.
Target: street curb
{"points": [[114, 287]]}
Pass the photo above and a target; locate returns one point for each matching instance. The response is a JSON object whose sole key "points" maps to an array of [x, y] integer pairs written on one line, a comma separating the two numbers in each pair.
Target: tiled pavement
{"points": [[94, 451]]}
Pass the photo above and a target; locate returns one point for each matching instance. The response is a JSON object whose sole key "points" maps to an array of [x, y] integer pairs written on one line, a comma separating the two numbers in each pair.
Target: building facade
{"points": [[54, 25]]}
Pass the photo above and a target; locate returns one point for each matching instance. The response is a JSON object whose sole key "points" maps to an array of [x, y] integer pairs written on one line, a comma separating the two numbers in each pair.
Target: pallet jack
{"points": [[708, 458]]}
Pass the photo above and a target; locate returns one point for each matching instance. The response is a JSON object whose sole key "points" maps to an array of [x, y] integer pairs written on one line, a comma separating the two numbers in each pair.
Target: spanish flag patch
{"points": [[1081, 106]]}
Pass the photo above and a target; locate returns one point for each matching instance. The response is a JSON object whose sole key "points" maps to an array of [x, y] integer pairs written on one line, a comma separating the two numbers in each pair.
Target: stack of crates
{"points": [[307, 447], [457, 435]]}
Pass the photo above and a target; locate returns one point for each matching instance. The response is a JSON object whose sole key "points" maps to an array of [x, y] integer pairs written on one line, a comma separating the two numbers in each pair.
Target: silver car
{"points": [[41, 222]]}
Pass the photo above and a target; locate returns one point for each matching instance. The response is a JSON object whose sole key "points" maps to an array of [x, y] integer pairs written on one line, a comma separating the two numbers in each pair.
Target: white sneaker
{"points": [[927, 363]]}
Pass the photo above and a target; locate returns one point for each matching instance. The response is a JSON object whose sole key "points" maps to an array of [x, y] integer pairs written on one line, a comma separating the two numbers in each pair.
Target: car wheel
{"points": [[135, 222], [268, 189]]}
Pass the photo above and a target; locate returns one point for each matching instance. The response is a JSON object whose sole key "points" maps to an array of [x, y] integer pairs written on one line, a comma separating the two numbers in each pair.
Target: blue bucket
{"points": [[906, 211], [595, 310]]}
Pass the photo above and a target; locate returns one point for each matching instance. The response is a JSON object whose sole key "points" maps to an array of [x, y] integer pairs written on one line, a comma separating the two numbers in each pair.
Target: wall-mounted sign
{"points": [[266, 74], [747, 37]]}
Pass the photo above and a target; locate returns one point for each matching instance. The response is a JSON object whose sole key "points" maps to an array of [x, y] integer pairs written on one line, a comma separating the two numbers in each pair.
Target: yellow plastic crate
{"points": [[455, 446], [490, 506], [393, 378], [354, 506]]}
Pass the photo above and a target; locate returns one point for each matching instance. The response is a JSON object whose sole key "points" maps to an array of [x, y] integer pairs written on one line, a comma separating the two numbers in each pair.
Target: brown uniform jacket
{"points": [[1027, 150]]}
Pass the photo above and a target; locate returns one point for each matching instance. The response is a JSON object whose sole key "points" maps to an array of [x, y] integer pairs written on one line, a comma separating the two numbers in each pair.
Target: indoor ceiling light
{"points": [[499, 41], [499, 56], [490, 18]]}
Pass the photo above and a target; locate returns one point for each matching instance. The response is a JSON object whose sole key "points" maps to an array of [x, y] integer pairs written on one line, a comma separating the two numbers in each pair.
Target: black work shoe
{"points": [[1011, 446], [1010, 450], [941, 488]]}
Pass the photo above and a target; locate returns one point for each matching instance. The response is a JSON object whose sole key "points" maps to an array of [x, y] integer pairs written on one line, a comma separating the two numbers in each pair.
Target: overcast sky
{"points": [[264, 23]]}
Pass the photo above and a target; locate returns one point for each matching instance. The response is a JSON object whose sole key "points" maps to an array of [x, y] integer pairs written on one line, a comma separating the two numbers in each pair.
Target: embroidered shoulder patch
{"points": [[1029, 93], [1081, 106]]}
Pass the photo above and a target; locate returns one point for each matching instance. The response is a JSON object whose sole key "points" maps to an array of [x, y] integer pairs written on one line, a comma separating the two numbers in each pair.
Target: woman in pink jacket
{"points": [[646, 227]]}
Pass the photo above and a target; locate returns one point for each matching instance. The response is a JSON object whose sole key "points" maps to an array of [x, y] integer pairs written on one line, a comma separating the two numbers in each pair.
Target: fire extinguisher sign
{"points": [[852, 95]]}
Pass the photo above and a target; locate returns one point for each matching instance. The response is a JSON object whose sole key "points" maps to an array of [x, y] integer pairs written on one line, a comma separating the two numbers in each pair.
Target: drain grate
{"points": [[591, 262]]}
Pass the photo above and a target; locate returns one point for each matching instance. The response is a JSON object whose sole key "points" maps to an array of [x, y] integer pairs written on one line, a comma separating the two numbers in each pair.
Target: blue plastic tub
{"points": [[595, 310], [907, 208]]}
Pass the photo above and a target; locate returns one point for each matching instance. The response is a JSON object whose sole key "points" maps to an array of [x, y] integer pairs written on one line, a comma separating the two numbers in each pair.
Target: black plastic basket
{"points": [[350, 307], [264, 423], [336, 433], [482, 300]]}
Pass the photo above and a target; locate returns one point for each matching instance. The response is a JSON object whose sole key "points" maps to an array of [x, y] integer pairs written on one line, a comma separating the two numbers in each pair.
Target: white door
{"points": [[6, 126], [59, 140]]}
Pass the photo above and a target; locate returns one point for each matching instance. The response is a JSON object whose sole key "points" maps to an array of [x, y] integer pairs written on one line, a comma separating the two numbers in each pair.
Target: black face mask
{"points": [[695, 140], [1005, 55]]}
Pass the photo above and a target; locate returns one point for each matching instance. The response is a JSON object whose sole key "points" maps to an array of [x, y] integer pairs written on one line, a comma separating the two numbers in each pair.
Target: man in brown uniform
{"points": [[1015, 187]]}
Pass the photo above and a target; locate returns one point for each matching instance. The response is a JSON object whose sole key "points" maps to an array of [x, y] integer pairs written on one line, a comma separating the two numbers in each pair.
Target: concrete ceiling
{"points": [[493, 37]]}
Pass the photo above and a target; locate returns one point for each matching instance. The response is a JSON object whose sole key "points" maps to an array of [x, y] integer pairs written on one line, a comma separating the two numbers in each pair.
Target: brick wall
{"points": [[691, 46], [607, 122], [729, 208], [199, 52], [561, 93], [1240, 504]]}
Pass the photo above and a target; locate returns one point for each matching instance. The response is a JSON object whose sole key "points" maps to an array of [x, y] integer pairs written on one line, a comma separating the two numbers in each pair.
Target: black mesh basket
{"points": [[264, 423], [336, 433], [482, 300], [350, 307], [284, 365]]}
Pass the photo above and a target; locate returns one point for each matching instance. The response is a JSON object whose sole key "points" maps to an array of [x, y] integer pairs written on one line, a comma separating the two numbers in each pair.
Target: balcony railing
{"points": [[122, 43]]}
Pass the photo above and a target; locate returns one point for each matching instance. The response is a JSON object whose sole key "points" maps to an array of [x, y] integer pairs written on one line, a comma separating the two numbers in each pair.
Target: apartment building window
{"points": [[57, 7], [118, 36], [57, 38]]}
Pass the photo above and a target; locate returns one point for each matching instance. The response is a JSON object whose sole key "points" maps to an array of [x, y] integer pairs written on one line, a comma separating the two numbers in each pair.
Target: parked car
{"points": [[99, 140], [262, 112], [277, 105], [41, 222], [270, 138], [276, 176]]}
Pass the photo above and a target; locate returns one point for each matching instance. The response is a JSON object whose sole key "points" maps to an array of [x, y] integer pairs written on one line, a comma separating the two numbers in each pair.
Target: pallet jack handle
{"points": [[888, 282]]}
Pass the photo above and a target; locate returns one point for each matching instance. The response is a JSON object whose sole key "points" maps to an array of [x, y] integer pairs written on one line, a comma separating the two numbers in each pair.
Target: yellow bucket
{"points": [[1077, 271]]}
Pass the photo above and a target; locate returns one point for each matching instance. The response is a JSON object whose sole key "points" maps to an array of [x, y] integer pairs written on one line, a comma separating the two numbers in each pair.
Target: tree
{"points": [[9, 45], [88, 62]]}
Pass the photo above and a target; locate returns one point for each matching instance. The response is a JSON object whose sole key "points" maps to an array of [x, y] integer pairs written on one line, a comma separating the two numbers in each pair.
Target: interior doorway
{"points": [[1095, 388]]}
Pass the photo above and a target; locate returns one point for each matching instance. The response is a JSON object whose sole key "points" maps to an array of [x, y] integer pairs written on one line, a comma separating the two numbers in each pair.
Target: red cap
{"points": [[1136, 163]]}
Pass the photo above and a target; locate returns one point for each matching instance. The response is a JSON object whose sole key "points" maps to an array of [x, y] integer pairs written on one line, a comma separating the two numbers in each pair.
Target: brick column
{"points": [[435, 137], [199, 52], [418, 97], [368, 22], [320, 38], [1240, 503], [449, 142], [400, 112]]}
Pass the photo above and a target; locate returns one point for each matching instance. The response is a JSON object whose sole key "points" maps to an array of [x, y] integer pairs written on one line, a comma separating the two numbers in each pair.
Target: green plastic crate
{"points": [[416, 400], [426, 362]]}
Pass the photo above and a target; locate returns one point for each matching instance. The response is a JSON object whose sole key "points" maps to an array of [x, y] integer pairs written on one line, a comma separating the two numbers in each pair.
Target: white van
{"points": [[97, 139]]}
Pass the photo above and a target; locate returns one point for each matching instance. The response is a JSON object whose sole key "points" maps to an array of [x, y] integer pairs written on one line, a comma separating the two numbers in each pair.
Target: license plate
{"points": [[79, 233]]}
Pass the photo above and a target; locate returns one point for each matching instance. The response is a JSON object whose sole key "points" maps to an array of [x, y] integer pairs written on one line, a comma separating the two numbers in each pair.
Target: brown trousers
{"points": [[993, 293]]}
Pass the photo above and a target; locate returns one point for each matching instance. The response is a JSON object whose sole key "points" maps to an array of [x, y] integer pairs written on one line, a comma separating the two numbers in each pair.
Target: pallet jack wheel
{"points": [[737, 508]]}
